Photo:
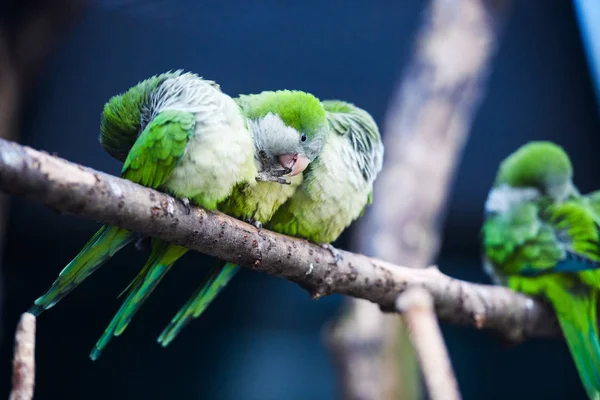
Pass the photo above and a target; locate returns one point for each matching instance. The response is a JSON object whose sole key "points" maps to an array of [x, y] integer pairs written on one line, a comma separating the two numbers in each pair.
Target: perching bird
{"points": [[272, 117], [337, 187], [541, 237], [181, 134]]}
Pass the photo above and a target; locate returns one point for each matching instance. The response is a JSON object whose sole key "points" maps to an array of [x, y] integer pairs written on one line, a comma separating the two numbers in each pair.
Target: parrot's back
{"points": [[126, 115], [121, 120]]}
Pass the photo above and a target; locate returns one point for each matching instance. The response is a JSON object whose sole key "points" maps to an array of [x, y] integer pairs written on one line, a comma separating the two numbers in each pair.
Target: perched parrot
{"points": [[541, 237], [337, 186], [271, 117], [179, 133]]}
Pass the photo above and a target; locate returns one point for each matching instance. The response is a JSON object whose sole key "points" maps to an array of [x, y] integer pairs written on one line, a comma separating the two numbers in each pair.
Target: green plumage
{"points": [[161, 259], [317, 210], [299, 110], [155, 124], [120, 122], [158, 149], [103, 245], [247, 200], [149, 163], [540, 237], [215, 281], [338, 185]]}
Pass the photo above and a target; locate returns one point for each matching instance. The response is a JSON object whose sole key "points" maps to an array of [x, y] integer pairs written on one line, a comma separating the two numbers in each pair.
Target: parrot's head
{"points": [[539, 165], [289, 126]]}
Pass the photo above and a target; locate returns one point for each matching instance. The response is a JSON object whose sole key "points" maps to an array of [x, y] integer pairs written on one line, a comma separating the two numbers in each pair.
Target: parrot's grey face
{"points": [[284, 145]]}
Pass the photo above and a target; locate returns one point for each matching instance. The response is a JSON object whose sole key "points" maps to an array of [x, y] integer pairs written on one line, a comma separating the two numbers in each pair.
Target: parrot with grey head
{"points": [[541, 237], [179, 133], [336, 188]]}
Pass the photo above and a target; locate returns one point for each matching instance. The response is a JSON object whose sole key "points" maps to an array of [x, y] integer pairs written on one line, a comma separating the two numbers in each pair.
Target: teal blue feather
{"points": [[102, 246]]}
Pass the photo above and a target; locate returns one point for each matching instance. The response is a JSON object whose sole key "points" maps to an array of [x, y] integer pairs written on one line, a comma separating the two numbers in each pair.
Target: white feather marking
{"points": [[505, 197], [272, 135], [220, 153]]}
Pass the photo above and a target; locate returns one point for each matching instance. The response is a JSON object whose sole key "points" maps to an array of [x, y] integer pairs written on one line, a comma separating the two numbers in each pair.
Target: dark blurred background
{"points": [[262, 338]]}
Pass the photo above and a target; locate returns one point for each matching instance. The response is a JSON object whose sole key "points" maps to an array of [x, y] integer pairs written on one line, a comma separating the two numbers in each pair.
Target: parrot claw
{"points": [[271, 177], [269, 173], [257, 224], [337, 256], [186, 204]]}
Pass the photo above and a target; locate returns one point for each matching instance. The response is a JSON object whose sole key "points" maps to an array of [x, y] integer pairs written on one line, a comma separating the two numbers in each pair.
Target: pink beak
{"points": [[294, 161]]}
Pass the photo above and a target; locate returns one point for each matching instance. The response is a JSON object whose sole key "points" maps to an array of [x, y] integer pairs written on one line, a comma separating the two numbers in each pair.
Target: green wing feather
{"points": [[576, 310], [536, 238], [150, 162], [121, 119], [103, 245], [216, 280], [158, 149], [161, 259]]}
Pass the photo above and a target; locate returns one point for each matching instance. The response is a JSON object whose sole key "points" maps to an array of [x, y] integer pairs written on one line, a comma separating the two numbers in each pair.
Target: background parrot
{"points": [[272, 117], [337, 187], [540, 237], [179, 133]]}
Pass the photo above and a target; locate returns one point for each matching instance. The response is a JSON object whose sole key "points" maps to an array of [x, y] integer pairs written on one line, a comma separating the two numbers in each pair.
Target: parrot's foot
{"points": [[271, 176], [144, 243], [337, 256], [269, 173], [257, 224], [186, 204]]}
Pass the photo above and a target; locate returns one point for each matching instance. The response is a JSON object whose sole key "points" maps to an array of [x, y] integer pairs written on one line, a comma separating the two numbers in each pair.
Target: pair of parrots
{"points": [[301, 167]]}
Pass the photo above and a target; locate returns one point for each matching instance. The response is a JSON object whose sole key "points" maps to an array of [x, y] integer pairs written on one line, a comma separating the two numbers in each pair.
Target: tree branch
{"points": [[24, 359], [416, 306], [427, 126], [71, 188]]}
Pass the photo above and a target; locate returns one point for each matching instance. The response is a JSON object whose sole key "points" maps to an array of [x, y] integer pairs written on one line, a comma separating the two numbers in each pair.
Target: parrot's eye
{"points": [[303, 137]]}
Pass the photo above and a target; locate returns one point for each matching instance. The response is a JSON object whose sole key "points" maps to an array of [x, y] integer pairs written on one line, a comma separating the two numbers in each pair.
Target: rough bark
{"points": [[23, 381], [416, 306], [75, 189]]}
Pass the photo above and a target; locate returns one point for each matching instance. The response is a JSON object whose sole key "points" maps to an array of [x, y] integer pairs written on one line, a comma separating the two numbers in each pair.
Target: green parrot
{"points": [[289, 128], [179, 133], [541, 237], [336, 188]]}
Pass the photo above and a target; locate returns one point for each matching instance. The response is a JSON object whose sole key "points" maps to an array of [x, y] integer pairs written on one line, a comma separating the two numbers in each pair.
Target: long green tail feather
{"points": [[580, 328], [161, 259], [103, 245], [216, 280]]}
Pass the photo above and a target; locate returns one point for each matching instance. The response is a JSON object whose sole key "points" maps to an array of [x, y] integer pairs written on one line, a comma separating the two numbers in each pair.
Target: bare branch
{"points": [[416, 306], [357, 345], [24, 359], [72, 188]]}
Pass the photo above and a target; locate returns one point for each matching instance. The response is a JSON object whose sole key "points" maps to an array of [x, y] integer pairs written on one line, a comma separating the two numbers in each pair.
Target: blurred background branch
{"points": [[427, 125], [416, 307], [23, 381]]}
